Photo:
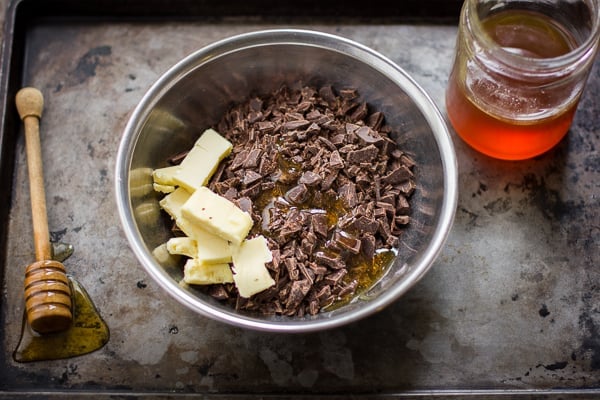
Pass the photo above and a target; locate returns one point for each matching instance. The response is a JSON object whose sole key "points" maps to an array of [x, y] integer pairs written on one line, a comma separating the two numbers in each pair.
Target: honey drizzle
{"points": [[366, 272], [87, 333]]}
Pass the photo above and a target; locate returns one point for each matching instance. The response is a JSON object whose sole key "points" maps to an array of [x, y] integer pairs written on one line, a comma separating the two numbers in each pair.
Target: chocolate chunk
{"points": [[292, 269], [335, 277], [407, 188], [347, 289], [178, 158], [314, 307], [251, 177], [398, 175], [252, 159], [408, 161], [267, 166], [389, 198], [298, 194], [360, 113], [365, 154], [375, 120], [367, 246], [327, 143], [252, 192], [313, 129], [298, 291], [309, 178], [347, 242], [365, 224], [368, 135], [335, 160], [329, 180], [230, 194], [347, 193], [338, 140], [348, 94], [402, 206], [326, 93], [319, 225], [245, 204], [238, 160], [218, 292], [329, 259], [318, 269], [299, 124], [390, 210]]}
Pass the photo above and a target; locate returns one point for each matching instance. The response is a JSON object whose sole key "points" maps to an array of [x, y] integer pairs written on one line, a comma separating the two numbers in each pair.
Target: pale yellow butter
{"points": [[213, 142], [210, 249], [163, 188], [217, 215], [173, 202], [199, 273], [202, 160], [165, 176], [184, 246], [250, 274]]}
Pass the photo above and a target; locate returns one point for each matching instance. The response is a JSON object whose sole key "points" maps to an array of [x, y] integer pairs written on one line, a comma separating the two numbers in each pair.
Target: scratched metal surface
{"points": [[510, 306]]}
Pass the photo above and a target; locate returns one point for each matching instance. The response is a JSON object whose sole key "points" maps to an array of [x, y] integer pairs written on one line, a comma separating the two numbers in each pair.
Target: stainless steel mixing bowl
{"points": [[196, 92]]}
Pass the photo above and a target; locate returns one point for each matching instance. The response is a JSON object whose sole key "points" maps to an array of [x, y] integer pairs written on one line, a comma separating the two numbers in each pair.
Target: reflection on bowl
{"points": [[196, 93]]}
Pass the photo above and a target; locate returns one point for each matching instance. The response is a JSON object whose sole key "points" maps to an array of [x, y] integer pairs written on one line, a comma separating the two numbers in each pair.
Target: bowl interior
{"points": [[195, 94]]}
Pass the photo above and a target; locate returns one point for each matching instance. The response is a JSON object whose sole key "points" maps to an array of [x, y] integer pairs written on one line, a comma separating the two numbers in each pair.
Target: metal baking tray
{"points": [[509, 310]]}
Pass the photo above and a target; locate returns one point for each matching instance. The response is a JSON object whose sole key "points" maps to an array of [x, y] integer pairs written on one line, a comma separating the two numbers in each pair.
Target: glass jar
{"points": [[519, 71]]}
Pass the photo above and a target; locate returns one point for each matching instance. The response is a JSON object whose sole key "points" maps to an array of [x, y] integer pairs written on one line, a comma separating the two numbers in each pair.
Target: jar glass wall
{"points": [[519, 71]]}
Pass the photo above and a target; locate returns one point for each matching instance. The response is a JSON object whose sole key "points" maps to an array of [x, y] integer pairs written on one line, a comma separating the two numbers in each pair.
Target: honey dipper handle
{"points": [[30, 104], [47, 292]]}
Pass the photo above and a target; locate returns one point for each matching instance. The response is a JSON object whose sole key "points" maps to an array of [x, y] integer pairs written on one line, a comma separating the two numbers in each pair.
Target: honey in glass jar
{"points": [[519, 71]]}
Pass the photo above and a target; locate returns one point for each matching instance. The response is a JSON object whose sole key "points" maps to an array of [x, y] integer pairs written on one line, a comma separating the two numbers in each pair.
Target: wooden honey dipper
{"points": [[47, 290]]}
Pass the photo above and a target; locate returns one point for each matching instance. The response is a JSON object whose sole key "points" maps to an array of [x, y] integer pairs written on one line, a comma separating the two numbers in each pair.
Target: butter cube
{"points": [[202, 161], [210, 249], [199, 273], [163, 188], [250, 274], [217, 215], [213, 142], [165, 176], [184, 246], [173, 202]]}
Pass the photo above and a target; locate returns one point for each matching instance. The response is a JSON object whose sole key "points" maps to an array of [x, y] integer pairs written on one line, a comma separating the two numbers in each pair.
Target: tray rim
{"points": [[19, 13]]}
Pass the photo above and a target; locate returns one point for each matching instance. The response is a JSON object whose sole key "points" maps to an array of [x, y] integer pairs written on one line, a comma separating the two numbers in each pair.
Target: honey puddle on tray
{"points": [[87, 333]]}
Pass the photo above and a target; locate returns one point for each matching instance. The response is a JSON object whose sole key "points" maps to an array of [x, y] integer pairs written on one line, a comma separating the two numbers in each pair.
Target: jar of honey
{"points": [[519, 71]]}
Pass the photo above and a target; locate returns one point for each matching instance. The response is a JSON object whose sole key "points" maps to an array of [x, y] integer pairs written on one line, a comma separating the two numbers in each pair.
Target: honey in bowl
{"points": [[500, 98]]}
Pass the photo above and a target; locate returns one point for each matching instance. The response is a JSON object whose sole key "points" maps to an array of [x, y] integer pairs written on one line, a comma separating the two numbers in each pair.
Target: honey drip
{"points": [[87, 333]]}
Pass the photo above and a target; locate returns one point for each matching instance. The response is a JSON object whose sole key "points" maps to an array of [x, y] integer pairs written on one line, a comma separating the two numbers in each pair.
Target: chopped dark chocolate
{"points": [[319, 224], [309, 178], [329, 259], [324, 183], [368, 135], [365, 154], [399, 175], [347, 194], [251, 177], [297, 194], [347, 242]]}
